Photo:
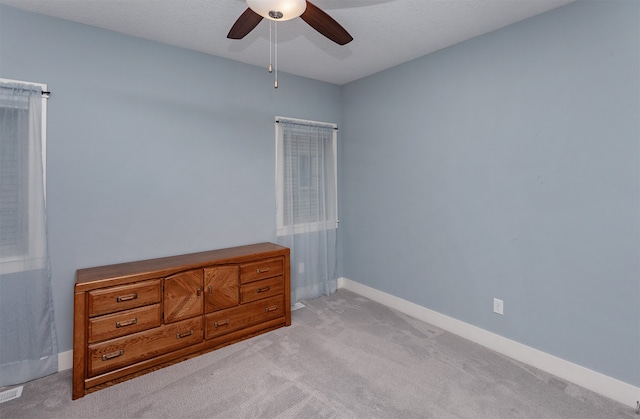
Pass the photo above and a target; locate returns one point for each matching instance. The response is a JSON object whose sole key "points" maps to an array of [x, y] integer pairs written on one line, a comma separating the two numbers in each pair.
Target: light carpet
{"points": [[344, 356]]}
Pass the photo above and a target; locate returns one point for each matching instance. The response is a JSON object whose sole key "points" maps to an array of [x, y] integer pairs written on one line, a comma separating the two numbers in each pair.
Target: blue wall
{"points": [[508, 166], [152, 150]]}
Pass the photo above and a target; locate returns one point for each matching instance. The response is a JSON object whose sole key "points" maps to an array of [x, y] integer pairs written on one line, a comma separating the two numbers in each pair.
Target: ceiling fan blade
{"points": [[245, 24], [325, 24]]}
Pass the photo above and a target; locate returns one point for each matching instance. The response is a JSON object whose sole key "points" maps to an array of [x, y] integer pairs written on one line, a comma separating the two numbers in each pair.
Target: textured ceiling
{"points": [[386, 32]]}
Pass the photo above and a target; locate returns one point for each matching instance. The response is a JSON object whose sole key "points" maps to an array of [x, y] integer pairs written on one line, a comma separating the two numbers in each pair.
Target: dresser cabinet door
{"points": [[221, 287], [183, 296]]}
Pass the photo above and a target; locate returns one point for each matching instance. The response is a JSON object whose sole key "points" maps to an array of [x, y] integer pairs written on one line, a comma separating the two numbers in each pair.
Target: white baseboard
{"points": [[65, 360], [602, 384]]}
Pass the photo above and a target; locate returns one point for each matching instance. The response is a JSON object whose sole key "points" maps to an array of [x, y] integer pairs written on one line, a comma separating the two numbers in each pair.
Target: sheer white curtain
{"points": [[306, 196], [28, 348]]}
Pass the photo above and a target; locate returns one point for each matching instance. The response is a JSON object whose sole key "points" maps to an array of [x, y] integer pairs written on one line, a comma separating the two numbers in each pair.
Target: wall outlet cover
{"points": [[498, 306]]}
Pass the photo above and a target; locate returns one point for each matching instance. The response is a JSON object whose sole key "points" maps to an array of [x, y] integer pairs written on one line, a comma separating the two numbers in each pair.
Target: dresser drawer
{"points": [[225, 321], [119, 352], [256, 271], [261, 289], [124, 323], [124, 297]]}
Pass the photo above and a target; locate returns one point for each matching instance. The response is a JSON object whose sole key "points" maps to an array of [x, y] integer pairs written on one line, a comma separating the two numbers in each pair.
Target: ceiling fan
{"points": [[281, 10]]}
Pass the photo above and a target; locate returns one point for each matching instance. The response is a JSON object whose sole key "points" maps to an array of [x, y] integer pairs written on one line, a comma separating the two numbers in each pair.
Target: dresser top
{"points": [[152, 268]]}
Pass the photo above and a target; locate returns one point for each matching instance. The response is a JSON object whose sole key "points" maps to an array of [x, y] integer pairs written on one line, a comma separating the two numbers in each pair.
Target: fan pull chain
{"points": [[273, 29], [275, 84], [270, 46]]}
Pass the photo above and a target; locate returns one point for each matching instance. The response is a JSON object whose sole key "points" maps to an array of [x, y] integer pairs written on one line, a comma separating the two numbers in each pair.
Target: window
{"points": [[306, 176], [13, 218], [22, 173]]}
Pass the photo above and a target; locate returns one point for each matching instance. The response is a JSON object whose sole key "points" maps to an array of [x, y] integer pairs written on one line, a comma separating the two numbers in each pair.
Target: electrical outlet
{"points": [[498, 306], [301, 267]]}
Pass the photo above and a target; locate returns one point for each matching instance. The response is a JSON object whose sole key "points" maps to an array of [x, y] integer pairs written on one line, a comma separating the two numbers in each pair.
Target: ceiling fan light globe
{"points": [[288, 8]]}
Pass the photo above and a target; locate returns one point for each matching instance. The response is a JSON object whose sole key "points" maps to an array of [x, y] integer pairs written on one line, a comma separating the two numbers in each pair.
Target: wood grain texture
{"points": [[221, 287], [236, 318], [124, 297], [325, 24], [123, 273], [80, 319], [143, 345], [287, 289], [261, 269], [247, 21], [124, 323], [183, 296], [262, 289]]}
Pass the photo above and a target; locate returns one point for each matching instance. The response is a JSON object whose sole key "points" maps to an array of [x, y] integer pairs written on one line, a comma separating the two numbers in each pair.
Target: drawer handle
{"points": [[112, 355], [272, 308], [129, 297], [180, 336], [127, 322], [265, 289], [210, 290], [216, 324], [263, 270]]}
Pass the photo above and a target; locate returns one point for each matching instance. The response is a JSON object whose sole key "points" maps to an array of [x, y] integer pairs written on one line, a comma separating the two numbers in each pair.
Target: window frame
{"points": [[16, 263], [308, 227]]}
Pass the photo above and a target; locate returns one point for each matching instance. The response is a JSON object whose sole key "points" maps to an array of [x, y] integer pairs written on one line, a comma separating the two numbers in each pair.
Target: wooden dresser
{"points": [[133, 318]]}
